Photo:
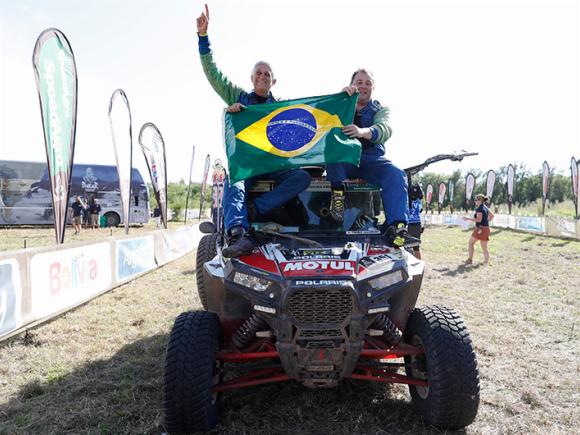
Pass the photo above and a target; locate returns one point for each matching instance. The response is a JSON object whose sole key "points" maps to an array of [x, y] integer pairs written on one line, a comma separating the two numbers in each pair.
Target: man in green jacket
{"points": [[289, 182], [370, 126]]}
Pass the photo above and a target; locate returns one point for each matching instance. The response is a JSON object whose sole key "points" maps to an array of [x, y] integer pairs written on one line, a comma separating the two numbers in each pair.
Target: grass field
{"points": [[98, 369], [34, 236]]}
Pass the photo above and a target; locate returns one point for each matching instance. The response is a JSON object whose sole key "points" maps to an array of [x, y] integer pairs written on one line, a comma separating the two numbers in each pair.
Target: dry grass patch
{"points": [[98, 369], [34, 236]]}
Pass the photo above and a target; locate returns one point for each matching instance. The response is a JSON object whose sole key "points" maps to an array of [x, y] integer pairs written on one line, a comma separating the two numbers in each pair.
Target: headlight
{"points": [[251, 281], [387, 280]]}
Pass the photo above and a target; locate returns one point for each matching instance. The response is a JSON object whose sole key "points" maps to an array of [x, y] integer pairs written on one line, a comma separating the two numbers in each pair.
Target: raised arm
{"points": [[218, 81]]}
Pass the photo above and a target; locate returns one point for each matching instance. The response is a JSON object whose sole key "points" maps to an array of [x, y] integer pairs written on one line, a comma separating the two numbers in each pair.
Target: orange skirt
{"points": [[481, 233]]}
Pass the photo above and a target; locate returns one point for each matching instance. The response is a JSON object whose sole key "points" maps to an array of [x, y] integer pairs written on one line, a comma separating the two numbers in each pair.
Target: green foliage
{"points": [[177, 196]]}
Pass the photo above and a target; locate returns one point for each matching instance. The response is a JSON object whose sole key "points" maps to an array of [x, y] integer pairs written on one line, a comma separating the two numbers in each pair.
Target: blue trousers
{"points": [[378, 170], [290, 183]]}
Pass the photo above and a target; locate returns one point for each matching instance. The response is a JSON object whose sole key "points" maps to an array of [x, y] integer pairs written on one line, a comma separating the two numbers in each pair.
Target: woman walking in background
{"points": [[482, 217]]}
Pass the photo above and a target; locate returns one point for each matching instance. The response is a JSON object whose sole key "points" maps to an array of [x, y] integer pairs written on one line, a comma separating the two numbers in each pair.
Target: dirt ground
{"points": [[98, 369]]}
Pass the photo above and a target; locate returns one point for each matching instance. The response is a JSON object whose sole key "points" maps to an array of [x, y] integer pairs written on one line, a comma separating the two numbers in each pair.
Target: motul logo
{"points": [[319, 265]]}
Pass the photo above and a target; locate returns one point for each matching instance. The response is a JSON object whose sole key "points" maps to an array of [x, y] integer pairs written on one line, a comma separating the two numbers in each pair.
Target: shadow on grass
{"points": [[123, 394], [561, 244], [117, 395], [458, 270]]}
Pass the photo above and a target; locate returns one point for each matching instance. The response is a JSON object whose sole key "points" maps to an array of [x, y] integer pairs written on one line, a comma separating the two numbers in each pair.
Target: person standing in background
{"points": [[77, 213], [95, 211], [482, 217], [157, 216]]}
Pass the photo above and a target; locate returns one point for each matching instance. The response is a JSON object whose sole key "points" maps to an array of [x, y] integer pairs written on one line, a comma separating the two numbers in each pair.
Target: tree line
{"points": [[527, 186]]}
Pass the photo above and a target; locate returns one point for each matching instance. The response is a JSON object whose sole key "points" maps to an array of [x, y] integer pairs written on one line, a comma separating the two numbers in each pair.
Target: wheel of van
{"points": [[206, 251], [449, 365], [191, 370], [112, 219]]}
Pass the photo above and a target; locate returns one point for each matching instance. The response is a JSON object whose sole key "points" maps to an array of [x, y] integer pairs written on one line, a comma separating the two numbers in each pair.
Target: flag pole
{"points": [[189, 185]]}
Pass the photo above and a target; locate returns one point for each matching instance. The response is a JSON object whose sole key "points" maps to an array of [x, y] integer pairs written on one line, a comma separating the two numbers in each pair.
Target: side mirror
{"points": [[207, 227]]}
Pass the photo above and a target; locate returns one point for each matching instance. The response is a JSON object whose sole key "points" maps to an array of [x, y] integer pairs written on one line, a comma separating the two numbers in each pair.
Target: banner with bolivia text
{"points": [[265, 138], [56, 81]]}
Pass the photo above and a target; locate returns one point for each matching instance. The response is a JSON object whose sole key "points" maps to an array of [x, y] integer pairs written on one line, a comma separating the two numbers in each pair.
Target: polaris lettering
{"points": [[319, 265]]}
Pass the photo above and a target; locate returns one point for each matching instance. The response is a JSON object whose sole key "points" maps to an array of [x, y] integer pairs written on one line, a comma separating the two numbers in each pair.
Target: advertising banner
{"points": [[545, 185], [56, 80], [490, 183], [561, 227], [189, 186], [545, 180], [511, 174], [121, 130], [175, 243], [442, 190], [469, 186], [203, 185], [10, 296], [530, 223], [134, 256], [451, 193], [575, 184], [64, 278], [153, 148], [577, 190], [429, 196]]}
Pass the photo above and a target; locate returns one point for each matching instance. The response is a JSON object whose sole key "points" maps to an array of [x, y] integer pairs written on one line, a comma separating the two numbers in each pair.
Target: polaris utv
{"points": [[317, 302]]}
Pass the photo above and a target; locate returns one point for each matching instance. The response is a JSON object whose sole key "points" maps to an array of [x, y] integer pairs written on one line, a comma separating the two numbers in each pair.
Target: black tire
{"points": [[112, 219], [190, 372], [449, 365], [206, 250]]}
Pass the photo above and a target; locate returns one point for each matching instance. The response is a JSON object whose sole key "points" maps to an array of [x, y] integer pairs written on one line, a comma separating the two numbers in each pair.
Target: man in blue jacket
{"points": [[371, 128], [289, 182]]}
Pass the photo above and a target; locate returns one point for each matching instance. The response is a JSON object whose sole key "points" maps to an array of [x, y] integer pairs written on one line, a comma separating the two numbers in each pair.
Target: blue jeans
{"points": [[290, 183], [378, 170]]}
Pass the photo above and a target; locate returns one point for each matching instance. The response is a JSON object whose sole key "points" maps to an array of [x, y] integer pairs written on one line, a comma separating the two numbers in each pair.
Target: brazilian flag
{"points": [[265, 138]]}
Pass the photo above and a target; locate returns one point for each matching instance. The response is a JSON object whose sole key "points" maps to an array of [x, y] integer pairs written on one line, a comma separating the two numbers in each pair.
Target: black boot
{"points": [[337, 204], [239, 243], [397, 236]]}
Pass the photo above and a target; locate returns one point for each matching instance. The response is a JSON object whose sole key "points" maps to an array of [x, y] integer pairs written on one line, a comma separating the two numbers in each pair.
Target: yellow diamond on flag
{"points": [[289, 131]]}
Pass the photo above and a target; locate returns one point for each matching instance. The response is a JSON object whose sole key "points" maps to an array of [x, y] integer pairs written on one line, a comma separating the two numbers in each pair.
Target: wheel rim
{"points": [[419, 368]]}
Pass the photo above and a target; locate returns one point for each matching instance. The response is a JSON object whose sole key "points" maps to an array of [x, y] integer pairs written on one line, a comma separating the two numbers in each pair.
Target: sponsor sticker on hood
{"points": [[318, 268]]}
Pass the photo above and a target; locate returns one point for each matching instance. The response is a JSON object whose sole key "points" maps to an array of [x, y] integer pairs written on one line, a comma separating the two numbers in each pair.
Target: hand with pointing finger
{"points": [[203, 22]]}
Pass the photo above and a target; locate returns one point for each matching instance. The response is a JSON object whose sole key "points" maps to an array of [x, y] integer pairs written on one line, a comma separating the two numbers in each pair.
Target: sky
{"points": [[497, 77]]}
